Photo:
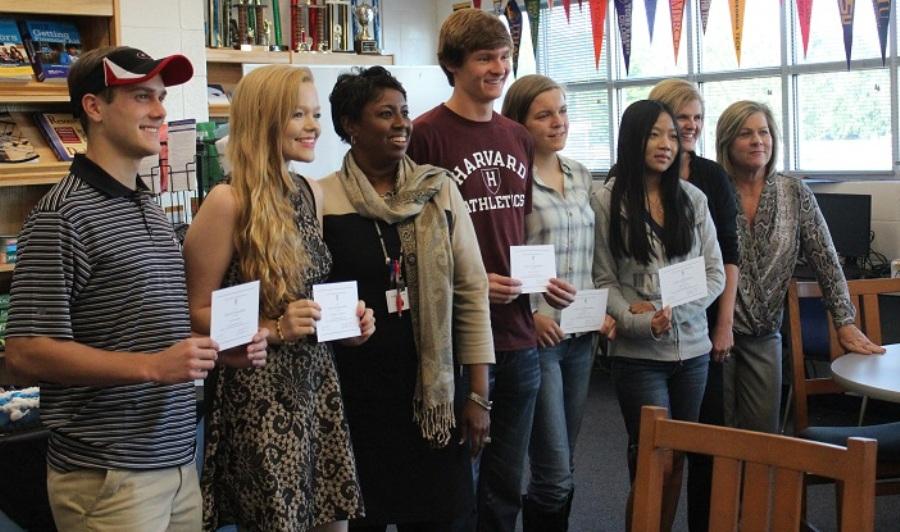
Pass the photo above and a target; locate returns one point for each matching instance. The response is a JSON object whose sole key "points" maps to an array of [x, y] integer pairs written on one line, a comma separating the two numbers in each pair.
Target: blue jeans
{"points": [[514, 380], [565, 378], [677, 386]]}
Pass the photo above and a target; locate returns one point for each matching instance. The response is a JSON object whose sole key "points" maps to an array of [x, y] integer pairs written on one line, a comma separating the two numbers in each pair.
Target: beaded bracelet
{"points": [[480, 401], [278, 329]]}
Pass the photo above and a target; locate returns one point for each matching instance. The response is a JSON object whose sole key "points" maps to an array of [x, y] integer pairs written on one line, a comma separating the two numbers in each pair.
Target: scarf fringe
{"points": [[435, 422]]}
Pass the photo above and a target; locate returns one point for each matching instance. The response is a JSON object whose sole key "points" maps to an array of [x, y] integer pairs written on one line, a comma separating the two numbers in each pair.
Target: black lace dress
{"points": [[278, 454]]}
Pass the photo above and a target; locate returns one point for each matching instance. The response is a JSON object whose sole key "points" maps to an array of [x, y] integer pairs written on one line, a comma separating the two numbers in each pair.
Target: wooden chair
{"points": [[757, 479], [864, 294]]}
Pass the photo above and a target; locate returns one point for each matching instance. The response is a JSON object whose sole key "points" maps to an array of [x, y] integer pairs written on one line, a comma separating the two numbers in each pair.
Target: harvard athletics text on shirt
{"points": [[491, 163]]}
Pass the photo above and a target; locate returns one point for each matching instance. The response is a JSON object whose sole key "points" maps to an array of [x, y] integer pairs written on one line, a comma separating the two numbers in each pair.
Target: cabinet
{"points": [[225, 66], [22, 184]]}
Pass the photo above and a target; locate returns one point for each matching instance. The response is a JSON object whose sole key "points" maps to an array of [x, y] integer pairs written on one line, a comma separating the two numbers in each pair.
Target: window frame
{"points": [[788, 71]]}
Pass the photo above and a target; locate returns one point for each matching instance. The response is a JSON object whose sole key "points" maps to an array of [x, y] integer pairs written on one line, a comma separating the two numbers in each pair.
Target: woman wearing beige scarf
{"points": [[403, 233]]}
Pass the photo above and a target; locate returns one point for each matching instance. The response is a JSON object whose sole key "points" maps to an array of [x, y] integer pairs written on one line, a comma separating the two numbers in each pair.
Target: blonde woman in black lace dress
{"points": [[277, 454]]}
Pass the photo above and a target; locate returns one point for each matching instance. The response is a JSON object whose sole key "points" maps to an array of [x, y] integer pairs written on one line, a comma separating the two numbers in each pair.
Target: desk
{"points": [[876, 376]]}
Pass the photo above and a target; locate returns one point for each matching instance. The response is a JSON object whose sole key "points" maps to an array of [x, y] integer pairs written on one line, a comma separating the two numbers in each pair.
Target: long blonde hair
{"points": [[267, 238]]}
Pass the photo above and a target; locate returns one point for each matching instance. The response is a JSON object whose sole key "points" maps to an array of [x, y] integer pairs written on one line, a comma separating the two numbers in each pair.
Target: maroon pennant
{"points": [[514, 16], [704, 13], [845, 7]]}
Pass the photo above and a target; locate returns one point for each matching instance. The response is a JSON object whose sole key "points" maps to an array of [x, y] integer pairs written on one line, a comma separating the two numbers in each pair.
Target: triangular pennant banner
{"points": [[650, 7], [737, 25], [882, 18], [846, 10], [533, 9], [476, 4], [598, 22], [514, 16], [704, 13], [676, 12], [804, 13], [623, 19], [568, 8]]}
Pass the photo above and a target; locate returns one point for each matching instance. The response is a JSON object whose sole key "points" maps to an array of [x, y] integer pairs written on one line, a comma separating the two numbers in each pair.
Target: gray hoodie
{"points": [[630, 281]]}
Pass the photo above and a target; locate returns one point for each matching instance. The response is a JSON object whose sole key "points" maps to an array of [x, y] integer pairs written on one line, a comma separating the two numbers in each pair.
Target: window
{"points": [[825, 111]]}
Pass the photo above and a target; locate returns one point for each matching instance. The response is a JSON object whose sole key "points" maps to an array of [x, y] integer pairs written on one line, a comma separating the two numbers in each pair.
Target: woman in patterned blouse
{"points": [[778, 218]]}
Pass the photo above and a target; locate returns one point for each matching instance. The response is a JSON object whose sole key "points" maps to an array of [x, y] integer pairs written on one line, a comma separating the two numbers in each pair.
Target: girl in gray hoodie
{"points": [[647, 218]]}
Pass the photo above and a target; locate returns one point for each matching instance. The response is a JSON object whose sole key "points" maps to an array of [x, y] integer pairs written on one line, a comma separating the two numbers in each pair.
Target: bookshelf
{"points": [[23, 184], [225, 66]]}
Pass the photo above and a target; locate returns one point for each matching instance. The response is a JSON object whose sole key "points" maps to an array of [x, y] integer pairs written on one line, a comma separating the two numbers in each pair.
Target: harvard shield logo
{"points": [[491, 178]]}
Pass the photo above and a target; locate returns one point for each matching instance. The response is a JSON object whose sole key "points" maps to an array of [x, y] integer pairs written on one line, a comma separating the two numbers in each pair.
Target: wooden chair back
{"points": [[758, 478], [864, 294]]}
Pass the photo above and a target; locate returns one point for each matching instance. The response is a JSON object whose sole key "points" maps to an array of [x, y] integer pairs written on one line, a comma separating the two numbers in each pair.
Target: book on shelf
{"points": [[14, 63], [52, 47], [14, 145], [63, 133]]}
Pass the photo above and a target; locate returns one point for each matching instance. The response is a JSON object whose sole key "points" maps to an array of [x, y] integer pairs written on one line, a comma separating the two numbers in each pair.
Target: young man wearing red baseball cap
{"points": [[99, 315]]}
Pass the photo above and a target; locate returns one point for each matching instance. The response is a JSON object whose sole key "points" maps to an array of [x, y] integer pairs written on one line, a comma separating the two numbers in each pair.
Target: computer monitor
{"points": [[849, 220]]}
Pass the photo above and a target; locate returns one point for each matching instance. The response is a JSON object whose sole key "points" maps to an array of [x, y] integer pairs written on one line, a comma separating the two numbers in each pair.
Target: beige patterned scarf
{"points": [[422, 224]]}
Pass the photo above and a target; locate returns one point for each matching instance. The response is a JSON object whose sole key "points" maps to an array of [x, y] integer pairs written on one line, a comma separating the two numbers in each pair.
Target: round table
{"points": [[876, 376]]}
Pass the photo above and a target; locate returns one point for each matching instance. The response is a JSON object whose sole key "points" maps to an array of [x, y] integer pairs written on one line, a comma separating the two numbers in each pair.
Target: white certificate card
{"points": [[683, 282], [338, 302], [587, 313], [533, 265], [234, 318]]}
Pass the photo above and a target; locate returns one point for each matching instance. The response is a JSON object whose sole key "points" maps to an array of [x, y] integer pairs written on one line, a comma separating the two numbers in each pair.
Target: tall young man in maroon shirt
{"points": [[490, 158]]}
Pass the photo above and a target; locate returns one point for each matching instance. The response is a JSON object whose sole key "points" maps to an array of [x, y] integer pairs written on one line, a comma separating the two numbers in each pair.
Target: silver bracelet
{"points": [[480, 401]]}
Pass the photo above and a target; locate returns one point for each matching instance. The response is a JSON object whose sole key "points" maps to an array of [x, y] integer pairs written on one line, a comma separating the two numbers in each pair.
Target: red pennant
{"points": [[882, 19], [845, 8], [477, 4], [704, 13], [598, 22], [676, 12], [804, 13], [567, 9]]}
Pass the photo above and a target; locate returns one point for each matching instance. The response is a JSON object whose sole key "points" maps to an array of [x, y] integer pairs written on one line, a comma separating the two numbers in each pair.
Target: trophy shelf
{"points": [[264, 57]]}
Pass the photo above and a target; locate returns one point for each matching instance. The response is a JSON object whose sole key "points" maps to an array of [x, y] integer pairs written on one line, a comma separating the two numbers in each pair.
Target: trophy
{"points": [[261, 32], [339, 25], [300, 39], [365, 14], [242, 36]]}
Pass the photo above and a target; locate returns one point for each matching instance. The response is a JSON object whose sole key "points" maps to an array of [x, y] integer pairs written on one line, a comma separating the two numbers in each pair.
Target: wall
{"points": [[168, 27]]}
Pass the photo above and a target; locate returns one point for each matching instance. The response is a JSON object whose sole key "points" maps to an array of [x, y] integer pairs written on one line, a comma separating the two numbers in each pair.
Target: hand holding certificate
{"points": [[534, 266], [587, 313], [338, 302], [683, 282], [234, 317]]}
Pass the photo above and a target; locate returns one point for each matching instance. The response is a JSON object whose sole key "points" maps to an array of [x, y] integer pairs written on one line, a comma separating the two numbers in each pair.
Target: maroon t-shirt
{"points": [[491, 163]]}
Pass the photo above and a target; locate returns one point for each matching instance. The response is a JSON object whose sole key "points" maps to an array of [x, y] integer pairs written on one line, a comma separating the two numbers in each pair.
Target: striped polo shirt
{"points": [[98, 263]]}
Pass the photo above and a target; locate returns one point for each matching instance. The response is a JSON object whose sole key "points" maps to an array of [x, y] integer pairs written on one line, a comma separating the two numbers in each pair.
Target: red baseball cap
{"points": [[127, 66]]}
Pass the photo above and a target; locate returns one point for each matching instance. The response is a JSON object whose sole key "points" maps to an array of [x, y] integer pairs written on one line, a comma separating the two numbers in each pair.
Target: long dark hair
{"points": [[630, 190]]}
